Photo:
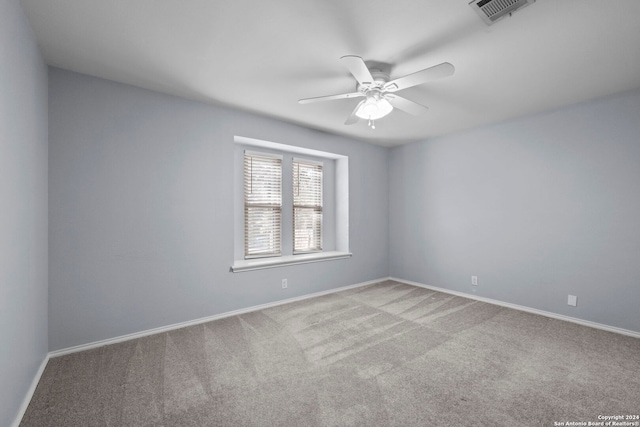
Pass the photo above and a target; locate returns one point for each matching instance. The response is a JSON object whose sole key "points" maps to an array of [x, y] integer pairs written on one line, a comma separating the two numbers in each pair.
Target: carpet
{"points": [[386, 354]]}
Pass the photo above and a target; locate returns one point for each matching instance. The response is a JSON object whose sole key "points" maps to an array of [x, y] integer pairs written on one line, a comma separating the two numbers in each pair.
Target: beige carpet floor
{"points": [[387, 354]]}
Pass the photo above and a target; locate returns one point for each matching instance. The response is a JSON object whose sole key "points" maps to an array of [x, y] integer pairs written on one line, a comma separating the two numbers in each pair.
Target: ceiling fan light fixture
{"points": [[374, 108]]}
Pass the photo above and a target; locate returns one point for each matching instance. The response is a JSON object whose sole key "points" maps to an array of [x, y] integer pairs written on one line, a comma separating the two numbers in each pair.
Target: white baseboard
{"points": [[96, 344], [167, 328], [524, 308], [127, 337], [30, 391]]}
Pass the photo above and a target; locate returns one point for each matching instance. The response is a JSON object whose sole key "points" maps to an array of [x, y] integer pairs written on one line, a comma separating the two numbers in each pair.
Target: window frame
{"points": [[263, 205], [317, 208], [338, 208]]}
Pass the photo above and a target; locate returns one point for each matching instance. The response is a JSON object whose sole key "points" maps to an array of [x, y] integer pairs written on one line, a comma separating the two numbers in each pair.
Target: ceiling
{"points": [[261, 56]]}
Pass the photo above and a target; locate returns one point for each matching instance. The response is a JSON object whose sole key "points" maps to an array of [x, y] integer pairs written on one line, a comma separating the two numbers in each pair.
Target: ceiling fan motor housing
{"points": [[379, 79], [375, 106]]}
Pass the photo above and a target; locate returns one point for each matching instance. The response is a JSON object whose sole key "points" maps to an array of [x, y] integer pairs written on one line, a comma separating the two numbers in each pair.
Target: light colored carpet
{"points": [[387, 354]]}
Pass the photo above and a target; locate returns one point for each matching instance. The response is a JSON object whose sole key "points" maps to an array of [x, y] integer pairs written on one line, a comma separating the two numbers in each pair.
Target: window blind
{"points": [[262, 205], [307, 206]]}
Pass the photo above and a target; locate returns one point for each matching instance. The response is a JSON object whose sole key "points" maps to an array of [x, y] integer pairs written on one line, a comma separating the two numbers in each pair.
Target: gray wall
{"points": [[141, 211], [538, 208], [23, 209]]}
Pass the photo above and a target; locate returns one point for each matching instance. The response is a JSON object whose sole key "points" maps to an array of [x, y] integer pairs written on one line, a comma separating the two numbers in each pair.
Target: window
{"points": [[262, 205], [291, 205], [307, 206]]}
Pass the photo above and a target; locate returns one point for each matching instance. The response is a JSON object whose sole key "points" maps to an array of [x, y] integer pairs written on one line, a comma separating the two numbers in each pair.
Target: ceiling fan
{"points": [[379, 92]]}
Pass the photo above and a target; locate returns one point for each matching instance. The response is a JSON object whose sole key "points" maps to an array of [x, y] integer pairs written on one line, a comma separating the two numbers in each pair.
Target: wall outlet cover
{"points": [[573, 300]]}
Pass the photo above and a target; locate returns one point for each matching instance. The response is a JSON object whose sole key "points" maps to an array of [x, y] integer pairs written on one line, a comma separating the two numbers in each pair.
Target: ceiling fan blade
{"points": [[358, 68], [330, 97], [353, 118], [405, 105], [437, 71]]}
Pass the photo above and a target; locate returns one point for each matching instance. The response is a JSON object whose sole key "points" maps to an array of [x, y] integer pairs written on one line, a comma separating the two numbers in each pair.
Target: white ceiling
{"points": [[262, 56]]}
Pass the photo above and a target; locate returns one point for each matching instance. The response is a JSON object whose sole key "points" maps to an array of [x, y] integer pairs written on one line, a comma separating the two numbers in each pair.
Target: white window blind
{"points": [[262, 205], [307, 206]]}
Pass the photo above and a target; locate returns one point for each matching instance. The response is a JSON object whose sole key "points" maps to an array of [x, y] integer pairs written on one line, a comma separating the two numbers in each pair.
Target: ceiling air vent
{"points": [[493, 10]]}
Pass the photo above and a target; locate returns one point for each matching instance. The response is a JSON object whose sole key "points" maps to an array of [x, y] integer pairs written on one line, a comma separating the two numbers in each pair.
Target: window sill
{"points": [[260, 263]]}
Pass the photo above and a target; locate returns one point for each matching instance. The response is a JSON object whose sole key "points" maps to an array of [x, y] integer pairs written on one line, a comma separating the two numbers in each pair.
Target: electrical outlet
{"points": [[474, 280], [572, 301], [284, 284]]}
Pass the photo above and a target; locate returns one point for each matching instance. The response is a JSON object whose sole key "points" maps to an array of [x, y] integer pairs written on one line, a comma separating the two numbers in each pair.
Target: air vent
{"points": [[493, 10]]}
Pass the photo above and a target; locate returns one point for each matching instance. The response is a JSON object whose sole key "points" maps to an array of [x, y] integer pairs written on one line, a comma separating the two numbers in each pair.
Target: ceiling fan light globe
{"points": [[370, 108], [374, 109]]}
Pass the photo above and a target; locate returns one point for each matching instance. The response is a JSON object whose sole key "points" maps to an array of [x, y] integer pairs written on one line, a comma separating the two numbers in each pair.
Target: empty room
{"points": [[319, 213]]}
